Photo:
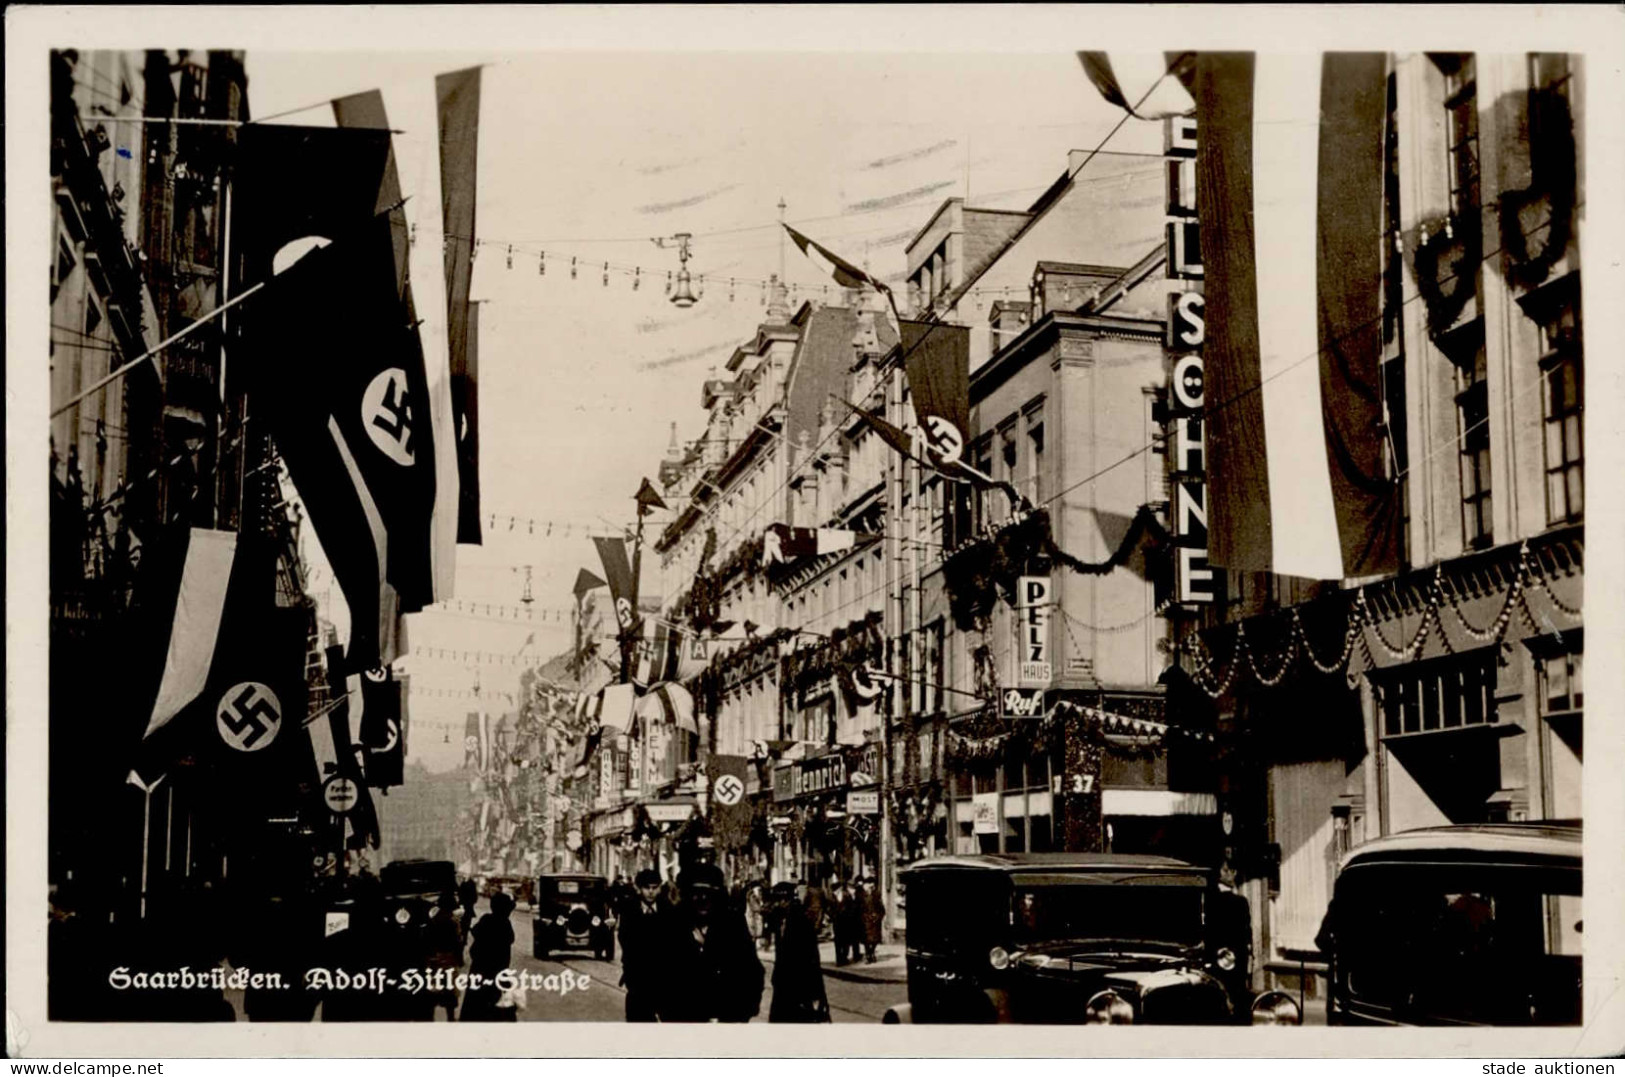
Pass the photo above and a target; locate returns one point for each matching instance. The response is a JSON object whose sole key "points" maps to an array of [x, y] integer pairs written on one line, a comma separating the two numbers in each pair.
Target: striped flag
{"points": [[671, 704], [1141, 84], [1290, 184], [457, 114], [199, 603], [833, 265]]}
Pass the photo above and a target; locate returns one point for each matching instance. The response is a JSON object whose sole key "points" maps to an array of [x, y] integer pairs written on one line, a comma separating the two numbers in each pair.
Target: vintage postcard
{"points": [[678, 518]]}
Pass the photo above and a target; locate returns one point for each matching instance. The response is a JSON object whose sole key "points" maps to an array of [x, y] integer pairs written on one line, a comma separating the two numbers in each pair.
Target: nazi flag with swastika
{"points": [[238, 728]]}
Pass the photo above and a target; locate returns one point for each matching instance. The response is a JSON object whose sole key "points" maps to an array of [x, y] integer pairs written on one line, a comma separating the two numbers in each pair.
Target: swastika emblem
{"points": [[943, 438], [249, 716], [387, 414], [623, 612], [377, 676], [729, 790]]}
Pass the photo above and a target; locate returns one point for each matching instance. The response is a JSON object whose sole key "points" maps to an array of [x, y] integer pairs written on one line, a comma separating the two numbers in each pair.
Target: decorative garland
{"points": [[1553, 179], [1440, 595], [985, 570], [855, 644], [1452, 234]]}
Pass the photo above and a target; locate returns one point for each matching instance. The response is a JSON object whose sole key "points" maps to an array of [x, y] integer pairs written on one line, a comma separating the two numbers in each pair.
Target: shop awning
{"points": [[1156, 802]]}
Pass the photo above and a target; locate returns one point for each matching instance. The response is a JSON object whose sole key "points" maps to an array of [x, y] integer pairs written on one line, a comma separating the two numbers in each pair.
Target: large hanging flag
{"points": [[833, 265], [366, 111], [622, 587], [457, 108], [666, 653], [240, 726], [1290, 183], [346, 407], [383, 729], [731, 812], [1142, 84], [936, 360]]}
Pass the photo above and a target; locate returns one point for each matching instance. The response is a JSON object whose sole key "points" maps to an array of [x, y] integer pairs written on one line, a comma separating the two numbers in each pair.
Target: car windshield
{"points": [[1472, 943], [1126, 914]]}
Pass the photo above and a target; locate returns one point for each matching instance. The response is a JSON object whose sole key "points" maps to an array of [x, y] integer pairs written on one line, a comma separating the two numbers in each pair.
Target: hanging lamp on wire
{"points": [[683, 295]]}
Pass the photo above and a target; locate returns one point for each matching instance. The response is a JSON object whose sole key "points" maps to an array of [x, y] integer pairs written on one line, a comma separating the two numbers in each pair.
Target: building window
{"points": [[1448, 694], [1562, 408], [1473, 431], [1549, 71], [1563, 688], [1461, 130], [1033, 485]]}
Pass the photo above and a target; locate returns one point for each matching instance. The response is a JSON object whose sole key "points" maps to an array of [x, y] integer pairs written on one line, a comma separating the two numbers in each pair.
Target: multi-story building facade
{"points": [[1452, 690]]}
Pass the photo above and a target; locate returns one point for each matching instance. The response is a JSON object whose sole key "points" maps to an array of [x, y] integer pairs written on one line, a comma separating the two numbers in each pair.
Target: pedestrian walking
{"points": [[872, 911], [798, 973], [755, 911], [490, 955], [643, 933], [848, 923], [711, 970], [443, 939], [815, 902]]}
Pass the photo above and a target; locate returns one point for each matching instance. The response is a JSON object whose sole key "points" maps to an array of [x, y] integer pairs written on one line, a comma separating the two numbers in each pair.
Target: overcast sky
{"points": [[591, 156]]}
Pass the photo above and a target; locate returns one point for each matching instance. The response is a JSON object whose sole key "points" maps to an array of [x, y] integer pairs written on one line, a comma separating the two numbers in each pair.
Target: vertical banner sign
{"points": [[1187, 465], [1033, 667]]}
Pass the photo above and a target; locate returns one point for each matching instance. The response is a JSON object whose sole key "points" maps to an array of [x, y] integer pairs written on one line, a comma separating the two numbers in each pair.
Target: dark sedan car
{"points": [[1458, 925], [1068, 938], [572, 912]]}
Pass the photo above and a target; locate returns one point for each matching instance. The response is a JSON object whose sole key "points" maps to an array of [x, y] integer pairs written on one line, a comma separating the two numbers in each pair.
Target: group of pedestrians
{"points": [[689, 952], [688, 958]]}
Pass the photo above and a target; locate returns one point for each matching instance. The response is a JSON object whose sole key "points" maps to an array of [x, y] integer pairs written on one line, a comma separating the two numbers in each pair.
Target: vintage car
{"points": [[413, 890], [1069, 938], [572, 912], [1458, 925]]}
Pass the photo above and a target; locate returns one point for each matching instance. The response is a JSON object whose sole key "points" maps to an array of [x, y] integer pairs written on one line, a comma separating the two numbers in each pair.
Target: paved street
{"points": [[849, 1001]]}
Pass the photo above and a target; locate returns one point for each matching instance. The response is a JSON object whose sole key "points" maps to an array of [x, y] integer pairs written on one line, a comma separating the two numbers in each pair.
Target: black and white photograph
{"points": [[838, 534]]}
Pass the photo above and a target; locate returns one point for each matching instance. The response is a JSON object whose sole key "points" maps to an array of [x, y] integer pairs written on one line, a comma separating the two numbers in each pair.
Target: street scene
{"points": [[1091, 538]]}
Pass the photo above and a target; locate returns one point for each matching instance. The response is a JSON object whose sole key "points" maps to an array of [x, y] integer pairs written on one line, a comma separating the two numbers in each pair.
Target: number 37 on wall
{"points": [[1081, 783]]}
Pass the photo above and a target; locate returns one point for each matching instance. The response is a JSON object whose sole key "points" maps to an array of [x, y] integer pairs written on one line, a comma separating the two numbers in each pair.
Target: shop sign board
{"points": [[1033, 662], [807, 777], [669, 813], [863, 803], [1021, 703], [984, 813]]}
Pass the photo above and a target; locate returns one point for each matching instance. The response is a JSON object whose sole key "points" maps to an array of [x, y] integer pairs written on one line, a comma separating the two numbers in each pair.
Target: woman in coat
{"points": [[873, 911]]}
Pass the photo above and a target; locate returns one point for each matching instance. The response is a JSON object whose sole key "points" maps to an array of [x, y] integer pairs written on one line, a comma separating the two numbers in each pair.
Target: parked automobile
{"points": [[572, 912], [1068, 938], [1458, 925]]}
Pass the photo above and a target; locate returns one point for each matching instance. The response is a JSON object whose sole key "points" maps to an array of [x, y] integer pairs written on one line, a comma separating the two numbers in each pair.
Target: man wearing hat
{"points": [[644, 931], [713, 973]]}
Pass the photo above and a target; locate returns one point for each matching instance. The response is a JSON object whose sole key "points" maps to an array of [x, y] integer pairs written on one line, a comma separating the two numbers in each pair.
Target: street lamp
{"points": [[683, 295]]}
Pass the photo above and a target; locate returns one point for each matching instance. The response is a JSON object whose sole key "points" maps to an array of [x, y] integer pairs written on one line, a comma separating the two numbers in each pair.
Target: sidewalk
{"points": [[889, 967]]}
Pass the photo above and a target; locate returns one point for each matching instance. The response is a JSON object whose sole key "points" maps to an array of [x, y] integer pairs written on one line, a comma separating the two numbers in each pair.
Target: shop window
{"points": [[1562, 409]]}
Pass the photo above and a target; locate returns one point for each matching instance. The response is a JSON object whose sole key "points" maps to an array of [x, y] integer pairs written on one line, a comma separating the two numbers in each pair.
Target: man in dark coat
{"points": [[848, 922], [711, 959], [798, 974], [1230, 927], [644, 926], [873, 911]]}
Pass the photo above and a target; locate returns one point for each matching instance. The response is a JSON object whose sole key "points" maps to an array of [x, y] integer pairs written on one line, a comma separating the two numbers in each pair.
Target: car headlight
{"points": [[560, 921], [1108, 1008], [596, 921], [1226, 959], [998, 957], [403, 915], [1276, 1008]]}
